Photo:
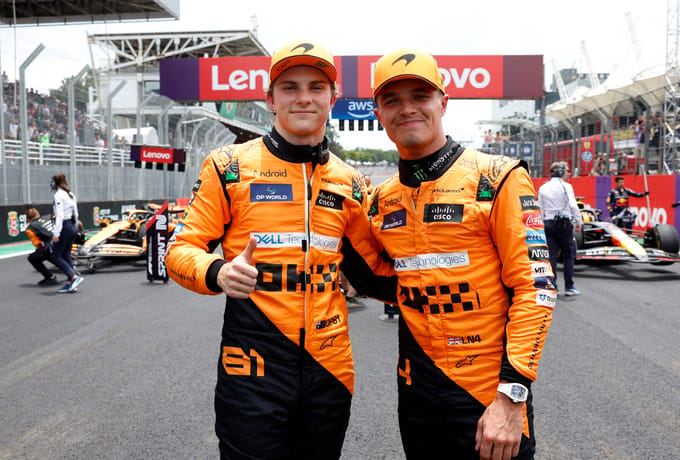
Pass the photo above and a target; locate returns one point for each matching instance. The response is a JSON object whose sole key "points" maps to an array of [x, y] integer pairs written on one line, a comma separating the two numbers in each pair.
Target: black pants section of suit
{"points": [[37, 259], [61, 251], [290, 408], [437, 418], [560, 237]]}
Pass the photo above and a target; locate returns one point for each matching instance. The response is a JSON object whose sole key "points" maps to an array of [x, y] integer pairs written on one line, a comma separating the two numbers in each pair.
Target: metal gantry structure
{"points": [[671, 106]]}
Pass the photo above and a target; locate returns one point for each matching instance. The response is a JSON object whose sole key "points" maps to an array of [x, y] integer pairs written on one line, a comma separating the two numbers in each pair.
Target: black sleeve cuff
{"points": [[211, 275], [509, 374]]}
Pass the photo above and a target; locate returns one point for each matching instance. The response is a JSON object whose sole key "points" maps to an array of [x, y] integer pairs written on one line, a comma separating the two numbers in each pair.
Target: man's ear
{"points": [[376, 112], [270, 102], [445, 103]]}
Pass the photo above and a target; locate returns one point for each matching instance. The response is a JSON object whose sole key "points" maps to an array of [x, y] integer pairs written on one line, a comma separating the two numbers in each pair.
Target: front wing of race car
{"points": [[109, 250], [615, 253]]}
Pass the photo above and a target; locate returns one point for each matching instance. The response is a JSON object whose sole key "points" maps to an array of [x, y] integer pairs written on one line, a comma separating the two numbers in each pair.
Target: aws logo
{"points": [[361, 108]]}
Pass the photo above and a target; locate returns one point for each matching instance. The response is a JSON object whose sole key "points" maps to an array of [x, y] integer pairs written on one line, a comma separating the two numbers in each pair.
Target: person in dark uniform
{"points": [[40, 231], [617, 204]]}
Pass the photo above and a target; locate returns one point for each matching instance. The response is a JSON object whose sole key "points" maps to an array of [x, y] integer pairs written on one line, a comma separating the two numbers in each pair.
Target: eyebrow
{"points": [[417, 90], [312, 82]]}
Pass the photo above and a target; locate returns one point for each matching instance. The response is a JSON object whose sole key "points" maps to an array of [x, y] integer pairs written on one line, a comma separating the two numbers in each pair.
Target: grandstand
{"points": [[98, 158]]}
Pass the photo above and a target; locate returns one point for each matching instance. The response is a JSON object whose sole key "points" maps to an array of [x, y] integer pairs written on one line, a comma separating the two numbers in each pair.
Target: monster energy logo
{"points": [[231, 173], [420, 174]]}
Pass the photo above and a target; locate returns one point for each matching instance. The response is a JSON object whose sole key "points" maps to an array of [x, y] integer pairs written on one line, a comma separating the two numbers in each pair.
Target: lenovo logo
{"points": [[238, 80]]}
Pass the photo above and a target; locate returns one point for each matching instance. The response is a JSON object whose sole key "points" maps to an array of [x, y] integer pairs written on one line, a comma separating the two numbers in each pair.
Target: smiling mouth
{"points": [[409, 122]]}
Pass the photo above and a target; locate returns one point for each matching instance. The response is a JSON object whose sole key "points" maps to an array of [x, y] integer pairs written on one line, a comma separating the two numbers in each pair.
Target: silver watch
{"points": [[515, 391]]}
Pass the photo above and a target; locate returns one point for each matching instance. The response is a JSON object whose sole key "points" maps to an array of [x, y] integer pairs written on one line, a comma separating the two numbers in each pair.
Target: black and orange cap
{"points": [[302, 52], [406, 64]]}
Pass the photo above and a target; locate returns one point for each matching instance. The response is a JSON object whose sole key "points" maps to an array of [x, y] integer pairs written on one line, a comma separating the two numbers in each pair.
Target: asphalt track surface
{"points": [[125, 369]]}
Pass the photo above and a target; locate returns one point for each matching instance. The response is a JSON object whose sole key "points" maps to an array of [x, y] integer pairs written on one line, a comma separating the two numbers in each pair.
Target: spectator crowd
{"points": [[47, 119]]}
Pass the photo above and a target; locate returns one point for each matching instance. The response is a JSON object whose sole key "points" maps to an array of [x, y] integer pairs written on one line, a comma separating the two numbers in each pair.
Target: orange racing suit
{"points": [[475, 292], [285, 376]]}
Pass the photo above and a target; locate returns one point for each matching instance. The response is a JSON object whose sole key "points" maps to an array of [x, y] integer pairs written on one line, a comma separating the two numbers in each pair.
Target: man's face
{"points": [[619, 183], [302, 98], [411, 112]]}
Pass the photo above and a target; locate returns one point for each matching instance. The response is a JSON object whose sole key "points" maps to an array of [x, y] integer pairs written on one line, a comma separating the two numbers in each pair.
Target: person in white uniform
{"points": [[65, 209], [561, 218]]}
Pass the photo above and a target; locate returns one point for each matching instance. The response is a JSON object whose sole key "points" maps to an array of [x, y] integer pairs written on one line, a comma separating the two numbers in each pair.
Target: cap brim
{"points": [[405, 77], [306, 60]]}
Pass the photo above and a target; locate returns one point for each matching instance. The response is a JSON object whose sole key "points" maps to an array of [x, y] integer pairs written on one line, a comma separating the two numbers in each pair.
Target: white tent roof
{"points": [[649, 85], [148, 133]]}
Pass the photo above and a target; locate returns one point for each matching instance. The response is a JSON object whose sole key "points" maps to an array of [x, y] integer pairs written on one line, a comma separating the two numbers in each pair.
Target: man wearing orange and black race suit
{"points": [[285, 374], [475, 290]]}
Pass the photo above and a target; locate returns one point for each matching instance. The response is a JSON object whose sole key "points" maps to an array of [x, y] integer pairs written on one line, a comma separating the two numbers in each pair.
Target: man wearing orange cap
{"points": [[285, 374], [475, 287]]}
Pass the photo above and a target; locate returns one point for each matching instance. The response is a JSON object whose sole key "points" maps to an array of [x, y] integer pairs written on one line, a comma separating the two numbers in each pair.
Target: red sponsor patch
{"points": [[532, 220]]}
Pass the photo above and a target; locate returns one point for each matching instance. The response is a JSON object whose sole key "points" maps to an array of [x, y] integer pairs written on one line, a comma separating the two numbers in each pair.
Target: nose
{"points": [[407, 107], [304, 97]]}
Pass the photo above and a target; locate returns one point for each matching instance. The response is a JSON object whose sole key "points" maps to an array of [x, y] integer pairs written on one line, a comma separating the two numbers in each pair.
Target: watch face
{"points": [[518, 392]]}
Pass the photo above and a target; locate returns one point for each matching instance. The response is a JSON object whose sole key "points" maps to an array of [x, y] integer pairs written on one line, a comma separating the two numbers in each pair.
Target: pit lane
{"points": [[126, 369]]}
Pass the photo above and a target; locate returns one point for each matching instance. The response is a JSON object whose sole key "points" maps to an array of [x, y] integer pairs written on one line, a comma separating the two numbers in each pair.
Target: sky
{"points": [[351, 27]]}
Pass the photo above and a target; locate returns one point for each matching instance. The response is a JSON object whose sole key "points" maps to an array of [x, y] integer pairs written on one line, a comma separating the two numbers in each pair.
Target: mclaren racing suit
{"points": [[285, 375], [475, 292]]}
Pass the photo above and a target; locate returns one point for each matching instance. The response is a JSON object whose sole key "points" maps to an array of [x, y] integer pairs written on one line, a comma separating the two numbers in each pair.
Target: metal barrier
{"points": [[91, 181]]}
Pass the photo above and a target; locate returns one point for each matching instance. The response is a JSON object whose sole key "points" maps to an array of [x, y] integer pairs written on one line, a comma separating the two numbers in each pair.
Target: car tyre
{"points": [[579, 239], [665, 237]]}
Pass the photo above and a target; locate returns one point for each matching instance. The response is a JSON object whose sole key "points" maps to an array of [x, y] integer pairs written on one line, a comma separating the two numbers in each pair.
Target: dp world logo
{"points": [[271, 192]]}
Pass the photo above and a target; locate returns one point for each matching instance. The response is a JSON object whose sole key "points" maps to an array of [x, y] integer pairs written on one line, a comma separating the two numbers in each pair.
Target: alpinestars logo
{"points": [[408, 58], [305, 46]]}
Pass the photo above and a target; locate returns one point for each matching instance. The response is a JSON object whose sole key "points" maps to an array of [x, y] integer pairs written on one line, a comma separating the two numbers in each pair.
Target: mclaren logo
{"points": [[305, 46], [406, 57]]}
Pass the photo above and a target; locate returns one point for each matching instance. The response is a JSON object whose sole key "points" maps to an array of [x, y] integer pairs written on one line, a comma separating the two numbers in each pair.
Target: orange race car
{"points": [[121, 240]]}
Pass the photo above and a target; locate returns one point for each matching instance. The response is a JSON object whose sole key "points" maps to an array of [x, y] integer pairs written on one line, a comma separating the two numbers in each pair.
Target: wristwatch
{"points": [[515, 391]]}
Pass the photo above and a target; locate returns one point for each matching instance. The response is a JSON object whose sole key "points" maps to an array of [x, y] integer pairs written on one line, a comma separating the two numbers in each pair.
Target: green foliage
{"points": [[372, 155], [80, 93], [333, 142], [358, 154]]}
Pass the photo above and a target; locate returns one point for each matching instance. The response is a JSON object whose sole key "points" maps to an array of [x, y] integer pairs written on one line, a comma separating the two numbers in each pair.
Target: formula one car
{"points": [[604, 241], [121, 240]]}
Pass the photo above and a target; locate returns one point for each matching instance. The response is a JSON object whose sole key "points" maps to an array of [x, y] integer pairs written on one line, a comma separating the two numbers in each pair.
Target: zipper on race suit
{"points": [[307, 247], [414, 199]]}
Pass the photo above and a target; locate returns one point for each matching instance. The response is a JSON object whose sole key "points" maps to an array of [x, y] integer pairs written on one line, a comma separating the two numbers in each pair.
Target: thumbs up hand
{"points": [[238, 277]]}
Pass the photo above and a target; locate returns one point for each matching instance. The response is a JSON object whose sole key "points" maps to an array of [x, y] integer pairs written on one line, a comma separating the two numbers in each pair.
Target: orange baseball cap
{"points": [[406, 64], [302, 52]]}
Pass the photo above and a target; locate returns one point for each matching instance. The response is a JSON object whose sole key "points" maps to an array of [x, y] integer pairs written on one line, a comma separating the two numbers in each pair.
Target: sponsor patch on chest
{"points": [[443, 212], [330, 200], [394, 219], [270, 192]]}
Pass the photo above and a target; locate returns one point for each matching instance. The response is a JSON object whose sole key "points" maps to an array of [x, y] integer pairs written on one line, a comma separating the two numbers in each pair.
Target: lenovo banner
{"points": [[246, 78], [155, 154]]}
